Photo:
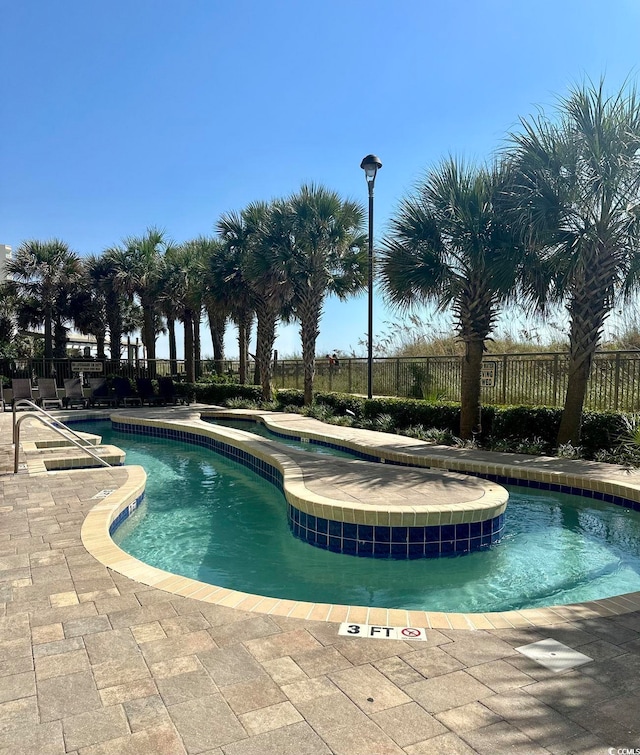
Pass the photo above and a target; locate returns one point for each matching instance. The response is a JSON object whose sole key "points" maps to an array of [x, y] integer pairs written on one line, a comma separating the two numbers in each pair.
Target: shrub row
{"points": [[511, 424], [600, 430], [218, 393]]}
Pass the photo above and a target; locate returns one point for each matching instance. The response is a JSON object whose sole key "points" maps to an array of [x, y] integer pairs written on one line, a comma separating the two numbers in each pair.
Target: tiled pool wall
{"points": [[125, 514], [395, 542], [364, 539]]}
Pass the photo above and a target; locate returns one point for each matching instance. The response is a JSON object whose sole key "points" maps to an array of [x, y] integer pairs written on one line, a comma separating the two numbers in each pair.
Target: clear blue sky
{"points": [[121, 115]]}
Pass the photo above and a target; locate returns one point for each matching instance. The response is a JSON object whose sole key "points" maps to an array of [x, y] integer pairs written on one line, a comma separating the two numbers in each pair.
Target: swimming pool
{"points": [[211, 519], [257, 428]]}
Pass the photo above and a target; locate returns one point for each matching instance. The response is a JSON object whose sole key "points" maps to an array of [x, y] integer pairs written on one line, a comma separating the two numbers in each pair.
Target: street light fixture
{"points": [[371, 165]]}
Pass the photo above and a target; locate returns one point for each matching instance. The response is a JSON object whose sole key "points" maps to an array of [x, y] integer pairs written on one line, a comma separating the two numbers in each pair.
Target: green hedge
{"points": [[289, 397], [216, 393], [408, 412], [599, 430], [404, 412], [526, 422]]}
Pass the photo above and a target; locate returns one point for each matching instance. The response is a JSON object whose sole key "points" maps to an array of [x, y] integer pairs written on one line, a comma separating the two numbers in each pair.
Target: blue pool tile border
{"points": [[394, 542]]}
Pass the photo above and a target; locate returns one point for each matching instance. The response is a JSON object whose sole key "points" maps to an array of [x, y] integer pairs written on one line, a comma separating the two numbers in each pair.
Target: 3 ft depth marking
{"points": [[374, 631]]}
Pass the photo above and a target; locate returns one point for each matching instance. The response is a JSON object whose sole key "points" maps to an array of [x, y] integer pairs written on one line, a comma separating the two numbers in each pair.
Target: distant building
{"points": [[5, 254]]}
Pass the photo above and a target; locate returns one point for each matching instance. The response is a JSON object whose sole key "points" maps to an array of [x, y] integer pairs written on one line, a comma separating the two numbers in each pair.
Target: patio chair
{"points": [[21, 388], [124, 394], [3, 401], [100, 395], [167, 390], [48, 393], [73, 395], [146, 392]]}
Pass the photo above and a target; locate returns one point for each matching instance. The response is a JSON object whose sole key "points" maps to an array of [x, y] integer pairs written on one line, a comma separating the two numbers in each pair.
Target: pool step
{"points": [[59, 442], [67, 457]]}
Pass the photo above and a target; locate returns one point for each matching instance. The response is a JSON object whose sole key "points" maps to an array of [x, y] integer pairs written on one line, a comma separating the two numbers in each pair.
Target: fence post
{"points": [[616, 383], [297, 375], [504, 379], [556, 368], [349, 377], [397, 377]]}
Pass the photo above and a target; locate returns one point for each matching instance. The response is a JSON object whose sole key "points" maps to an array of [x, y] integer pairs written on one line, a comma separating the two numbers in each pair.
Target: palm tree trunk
{"points": [[100, 342], [266, 337], [587, 319], [217, 324], [173, 349], [115, 337], [244, 335], [59, 339], [470, 388], [48, 335], [149, 336], [197, 355], [188, 346], [309, 313]]}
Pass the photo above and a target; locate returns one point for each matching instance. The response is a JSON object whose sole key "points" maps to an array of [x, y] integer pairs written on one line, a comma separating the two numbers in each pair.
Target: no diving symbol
{"points": [[410, 632]]}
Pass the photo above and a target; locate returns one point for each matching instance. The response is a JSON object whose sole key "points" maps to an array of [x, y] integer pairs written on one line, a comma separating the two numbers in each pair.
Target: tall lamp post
{"points": [[371, 165]]}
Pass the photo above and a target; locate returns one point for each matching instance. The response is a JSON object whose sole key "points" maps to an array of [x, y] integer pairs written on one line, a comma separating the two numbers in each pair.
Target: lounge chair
{"points": [[3, 401], [146, 392], [124, 394], [73, 394], [21, 388], [167, 390], [100, 395], [48, 393]]}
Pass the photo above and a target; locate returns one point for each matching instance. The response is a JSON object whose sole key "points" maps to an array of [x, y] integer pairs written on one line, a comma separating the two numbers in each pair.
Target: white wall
{"points": [[5, 254]]}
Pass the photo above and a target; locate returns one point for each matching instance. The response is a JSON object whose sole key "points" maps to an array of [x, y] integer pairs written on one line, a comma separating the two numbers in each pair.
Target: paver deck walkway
{"points": [[94, 663]]}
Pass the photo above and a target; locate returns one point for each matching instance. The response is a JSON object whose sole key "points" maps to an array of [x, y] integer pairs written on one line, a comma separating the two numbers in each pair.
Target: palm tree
{"points": [[184, 279], [139, 273], [577, 192], [121, 313], [254, 232], [322, 251], [42, 275], [205, 249], [170, 310], [451, 244], [227, 290], [7, 320], [91, 315]]}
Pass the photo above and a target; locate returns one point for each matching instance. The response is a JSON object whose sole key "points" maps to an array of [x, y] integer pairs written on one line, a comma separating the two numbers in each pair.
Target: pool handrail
{"points": [[54, 425]]}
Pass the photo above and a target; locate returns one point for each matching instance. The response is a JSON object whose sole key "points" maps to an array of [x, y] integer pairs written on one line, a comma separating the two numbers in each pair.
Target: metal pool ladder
{"points": [[53, 424]]}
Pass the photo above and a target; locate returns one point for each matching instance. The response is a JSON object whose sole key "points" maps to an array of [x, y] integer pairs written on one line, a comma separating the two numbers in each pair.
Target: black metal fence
{"points": [[529, 379]]}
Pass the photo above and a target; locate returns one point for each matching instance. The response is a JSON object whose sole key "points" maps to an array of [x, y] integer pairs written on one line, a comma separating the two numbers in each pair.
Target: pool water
{"points": [[211, 519], [257, 428]]}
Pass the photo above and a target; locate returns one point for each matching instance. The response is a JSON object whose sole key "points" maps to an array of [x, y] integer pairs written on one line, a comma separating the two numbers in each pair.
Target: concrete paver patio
{"points": [[95, 663]]}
